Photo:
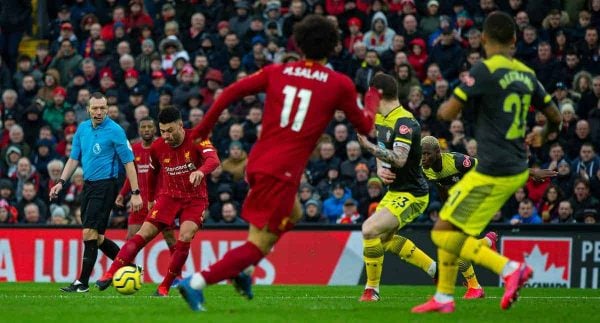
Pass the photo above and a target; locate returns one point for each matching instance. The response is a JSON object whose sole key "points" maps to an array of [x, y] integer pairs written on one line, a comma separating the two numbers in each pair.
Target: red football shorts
{"points": [[166, 209], [269, 202]]}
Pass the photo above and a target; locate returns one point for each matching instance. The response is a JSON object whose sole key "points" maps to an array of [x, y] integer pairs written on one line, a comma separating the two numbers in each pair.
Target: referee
{"points": [[99, 144]]}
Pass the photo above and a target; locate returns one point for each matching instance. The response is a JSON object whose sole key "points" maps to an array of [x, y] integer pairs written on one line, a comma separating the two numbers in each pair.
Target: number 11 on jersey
{"points": [[291, 92]]}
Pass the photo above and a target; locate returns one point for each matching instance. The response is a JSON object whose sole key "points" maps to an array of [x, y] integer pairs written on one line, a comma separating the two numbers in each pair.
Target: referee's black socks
{"points": [[109, 248], [90, 253]]}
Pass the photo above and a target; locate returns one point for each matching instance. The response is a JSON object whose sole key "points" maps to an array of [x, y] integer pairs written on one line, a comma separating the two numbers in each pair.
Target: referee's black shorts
{"points": [[97, 199]]}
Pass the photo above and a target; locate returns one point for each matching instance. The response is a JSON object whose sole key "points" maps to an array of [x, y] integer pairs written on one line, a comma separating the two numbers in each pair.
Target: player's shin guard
{"points": [[178, 259], [468, 272], [448, 269], [410, 253], [470, 249], [109, 248], [233, 263], [128, 252], [373, 255]]}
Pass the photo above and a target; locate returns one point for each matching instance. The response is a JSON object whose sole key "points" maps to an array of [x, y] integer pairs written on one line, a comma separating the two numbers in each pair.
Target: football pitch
{"points": [[38, 302]]}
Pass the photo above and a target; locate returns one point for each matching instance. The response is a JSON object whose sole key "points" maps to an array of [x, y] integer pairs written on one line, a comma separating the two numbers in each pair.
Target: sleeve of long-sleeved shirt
{"points": [[254, 83], [210, 159], [126, 187], [153, 173]]}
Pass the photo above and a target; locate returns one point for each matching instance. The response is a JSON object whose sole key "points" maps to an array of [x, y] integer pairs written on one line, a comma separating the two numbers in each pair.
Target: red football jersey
{"points": [[301, 98], [174, 166], [142, 165]]}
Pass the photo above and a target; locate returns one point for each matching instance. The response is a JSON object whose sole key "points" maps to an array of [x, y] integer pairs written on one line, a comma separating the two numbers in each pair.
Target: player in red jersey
{"points": [[301, 98], [182, 165], [141, 153]]}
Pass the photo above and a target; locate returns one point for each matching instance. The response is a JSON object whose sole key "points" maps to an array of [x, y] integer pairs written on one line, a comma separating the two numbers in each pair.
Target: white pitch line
{"points": [[286, 297]]}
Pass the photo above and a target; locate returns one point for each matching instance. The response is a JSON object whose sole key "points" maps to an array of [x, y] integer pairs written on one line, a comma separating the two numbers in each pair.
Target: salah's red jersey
{"points": [[174, 166], [142, 165], [301, 98]]}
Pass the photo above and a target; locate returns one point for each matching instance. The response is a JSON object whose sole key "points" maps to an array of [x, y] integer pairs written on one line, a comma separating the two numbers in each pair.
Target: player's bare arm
{"points": [[450, 109], [396, 157], [554, 120]]}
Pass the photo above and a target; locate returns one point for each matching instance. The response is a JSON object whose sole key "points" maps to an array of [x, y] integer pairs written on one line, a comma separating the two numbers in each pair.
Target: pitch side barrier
{"points": [[563, 256]]}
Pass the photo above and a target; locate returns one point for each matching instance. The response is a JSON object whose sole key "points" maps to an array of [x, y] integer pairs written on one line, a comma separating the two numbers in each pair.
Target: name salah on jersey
{"points": [[306, 73]]}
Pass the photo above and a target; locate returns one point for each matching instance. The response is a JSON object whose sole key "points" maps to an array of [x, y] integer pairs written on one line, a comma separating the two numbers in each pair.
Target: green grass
{"points": [[29, 302]]}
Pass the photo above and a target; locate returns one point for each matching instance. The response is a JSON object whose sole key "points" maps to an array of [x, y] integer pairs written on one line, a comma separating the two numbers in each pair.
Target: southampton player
{"points": [[398, 156], [182, 165], [445, 170], [501, 90], [301, 99], [141, 153]]}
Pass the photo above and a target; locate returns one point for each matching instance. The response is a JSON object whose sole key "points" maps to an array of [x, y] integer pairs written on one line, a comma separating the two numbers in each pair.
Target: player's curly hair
{"points": [[168, 115], [499, 27], [316, 36]]}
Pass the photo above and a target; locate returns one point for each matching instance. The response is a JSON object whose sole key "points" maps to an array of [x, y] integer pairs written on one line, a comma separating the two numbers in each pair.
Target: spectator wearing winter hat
{"points": [[107, 80], [272, 14], [187, 85], [55, 110], [33, 122], [240, 21], [12, 155], [376, 191], [214, 81], [8, 213], [59, 215], [379, 37], [236, 162], [224, 194], [66, 33], [118, 15], [44, 153], [171, 49], [306, 192], [255, 59], [355, 34], [312, 213], [51, 81], [333, 205], [144, 60], [7, 192], [132, 82], [350, 213]]}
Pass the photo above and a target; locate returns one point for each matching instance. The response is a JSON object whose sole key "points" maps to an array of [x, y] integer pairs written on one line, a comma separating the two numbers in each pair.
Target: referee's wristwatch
{"points": [[135, 192]]}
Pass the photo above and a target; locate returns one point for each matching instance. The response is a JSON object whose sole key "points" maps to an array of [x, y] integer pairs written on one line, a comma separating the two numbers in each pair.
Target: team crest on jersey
{"points": [[137, 159], [187, 157], [404, 129], [467, 162], [97, 149]]}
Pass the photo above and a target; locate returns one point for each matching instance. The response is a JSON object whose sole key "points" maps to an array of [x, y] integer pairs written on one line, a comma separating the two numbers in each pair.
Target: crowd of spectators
{"points": [[144, 55]]}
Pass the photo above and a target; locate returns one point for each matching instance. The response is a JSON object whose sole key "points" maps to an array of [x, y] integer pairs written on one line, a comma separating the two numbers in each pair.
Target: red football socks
{"points": [[172, 248], [233, 263], [128, 252], [178, 258]]}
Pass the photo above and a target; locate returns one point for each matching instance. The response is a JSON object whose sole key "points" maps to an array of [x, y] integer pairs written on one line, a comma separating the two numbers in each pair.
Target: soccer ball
{"points": [[127, 280]]}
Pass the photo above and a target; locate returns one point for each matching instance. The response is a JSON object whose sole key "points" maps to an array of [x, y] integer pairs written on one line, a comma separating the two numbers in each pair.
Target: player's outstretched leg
{"points": [[125, 257], [409, 252]]}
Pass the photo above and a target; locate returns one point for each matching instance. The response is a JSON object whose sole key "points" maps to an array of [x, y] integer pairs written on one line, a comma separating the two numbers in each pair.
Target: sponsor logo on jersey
{"points": [[187, 157], [550, 258], [467, 162]]}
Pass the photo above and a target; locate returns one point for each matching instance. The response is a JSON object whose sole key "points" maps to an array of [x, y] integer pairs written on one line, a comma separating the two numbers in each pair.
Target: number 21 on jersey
{"points": [[519, 106], [291, 93]]}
